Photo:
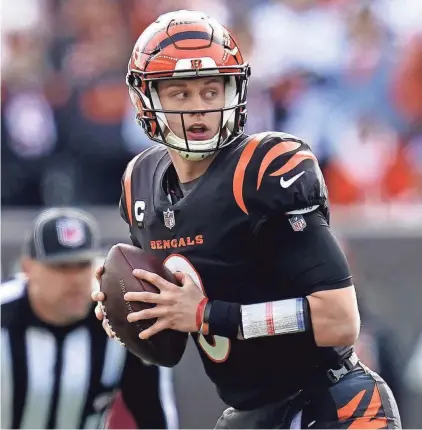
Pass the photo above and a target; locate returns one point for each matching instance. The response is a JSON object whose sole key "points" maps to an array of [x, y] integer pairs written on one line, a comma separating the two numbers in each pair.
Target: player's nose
{"points": [[198, 103]]}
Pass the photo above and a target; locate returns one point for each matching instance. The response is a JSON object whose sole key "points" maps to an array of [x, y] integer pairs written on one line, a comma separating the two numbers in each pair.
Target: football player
{"points": [[243, 222]]}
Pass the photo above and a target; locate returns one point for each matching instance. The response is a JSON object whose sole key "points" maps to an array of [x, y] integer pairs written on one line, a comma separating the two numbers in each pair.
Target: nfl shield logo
{"points": [[70, 232], [169, 220], [297, 222]]}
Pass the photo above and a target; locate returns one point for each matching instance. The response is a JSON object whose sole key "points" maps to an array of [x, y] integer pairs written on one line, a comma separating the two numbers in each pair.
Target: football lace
{"points": [[107, 321]]}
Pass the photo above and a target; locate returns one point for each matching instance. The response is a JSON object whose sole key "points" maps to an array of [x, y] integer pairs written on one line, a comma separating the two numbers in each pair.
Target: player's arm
{"points": [[334, 317], [312, 265], [306, 270], [140, 392], [302, 255]]}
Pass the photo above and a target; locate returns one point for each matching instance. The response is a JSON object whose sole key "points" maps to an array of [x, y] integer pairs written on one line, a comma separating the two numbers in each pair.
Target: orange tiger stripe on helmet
{"points": [[184, 48], [170, 55]]}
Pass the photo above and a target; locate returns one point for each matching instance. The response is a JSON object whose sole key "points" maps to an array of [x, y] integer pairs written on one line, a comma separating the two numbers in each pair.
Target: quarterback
{"points": [[243, 222]]}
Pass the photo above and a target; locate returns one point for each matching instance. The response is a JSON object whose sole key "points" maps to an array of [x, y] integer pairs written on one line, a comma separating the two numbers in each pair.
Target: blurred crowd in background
{"points": [[344, 75]]}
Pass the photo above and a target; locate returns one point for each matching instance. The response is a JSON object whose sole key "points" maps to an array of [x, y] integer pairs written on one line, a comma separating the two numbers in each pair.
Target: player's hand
{"points": [[175, 306], [99, 272], [98, 297]]}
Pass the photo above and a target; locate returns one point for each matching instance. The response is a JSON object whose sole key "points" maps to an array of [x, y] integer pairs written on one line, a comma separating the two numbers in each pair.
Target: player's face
{"points": [[193, 94], [62, 292]]}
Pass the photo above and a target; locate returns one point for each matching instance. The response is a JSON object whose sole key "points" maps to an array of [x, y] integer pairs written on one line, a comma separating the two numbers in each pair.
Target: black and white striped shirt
{"points": [[66, 377]]}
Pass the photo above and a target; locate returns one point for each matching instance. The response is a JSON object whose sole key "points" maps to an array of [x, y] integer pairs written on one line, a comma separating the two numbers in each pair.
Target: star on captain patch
{"points": [[169, 220]]}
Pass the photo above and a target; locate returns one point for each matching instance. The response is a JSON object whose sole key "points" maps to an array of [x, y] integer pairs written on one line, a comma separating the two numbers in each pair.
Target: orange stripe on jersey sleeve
{"points": [[240, 171], [294, 161], [128, 187], [279, 149]]}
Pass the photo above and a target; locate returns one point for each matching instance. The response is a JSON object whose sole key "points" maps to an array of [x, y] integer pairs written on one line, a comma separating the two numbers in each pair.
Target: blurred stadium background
{"points": [[345, 75]]}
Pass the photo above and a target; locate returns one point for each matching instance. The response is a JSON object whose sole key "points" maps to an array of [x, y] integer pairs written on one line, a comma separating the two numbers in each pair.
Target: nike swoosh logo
{"points": [[286, 184]]}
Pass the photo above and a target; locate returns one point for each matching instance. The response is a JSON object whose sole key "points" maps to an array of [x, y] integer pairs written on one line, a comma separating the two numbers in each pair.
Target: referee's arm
{"points": [[140, 388]]}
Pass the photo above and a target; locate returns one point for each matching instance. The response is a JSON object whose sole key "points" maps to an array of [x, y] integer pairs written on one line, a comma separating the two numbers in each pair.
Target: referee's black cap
{"points": [[63, 236]]}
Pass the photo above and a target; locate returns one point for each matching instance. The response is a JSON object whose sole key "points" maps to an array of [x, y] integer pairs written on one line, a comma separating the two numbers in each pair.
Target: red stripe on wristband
{"points": [[270, 319], [200, 312]]}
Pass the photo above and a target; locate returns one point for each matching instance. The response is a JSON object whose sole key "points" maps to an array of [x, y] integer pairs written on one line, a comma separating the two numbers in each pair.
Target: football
{"points": [[166, 347]]}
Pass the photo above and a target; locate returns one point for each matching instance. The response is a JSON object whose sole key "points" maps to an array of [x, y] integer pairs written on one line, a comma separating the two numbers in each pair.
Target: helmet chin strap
{"points": [[173, 140]]}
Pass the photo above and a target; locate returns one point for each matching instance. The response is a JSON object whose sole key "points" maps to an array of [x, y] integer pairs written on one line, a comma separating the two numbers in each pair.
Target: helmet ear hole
{"points": [[148, 124], [141, 122]]}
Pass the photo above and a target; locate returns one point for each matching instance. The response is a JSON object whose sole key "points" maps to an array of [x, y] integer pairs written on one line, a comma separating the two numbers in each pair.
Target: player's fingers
{"points": [[146, 314], [143, 296], [99, 312], [98, 272], [97, 296], [160, 325], [184, 278], [153, 278]]}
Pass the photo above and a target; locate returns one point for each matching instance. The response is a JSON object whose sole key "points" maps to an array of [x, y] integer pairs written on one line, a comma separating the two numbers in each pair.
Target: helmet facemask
{"points": [[151, 115]]}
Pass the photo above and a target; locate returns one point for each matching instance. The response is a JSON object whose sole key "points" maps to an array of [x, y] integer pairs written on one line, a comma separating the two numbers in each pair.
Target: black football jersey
{"points": [[213, 234]]}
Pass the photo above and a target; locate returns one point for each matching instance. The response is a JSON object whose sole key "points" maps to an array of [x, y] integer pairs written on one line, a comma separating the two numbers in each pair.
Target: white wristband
{"points": [[271, 318]]}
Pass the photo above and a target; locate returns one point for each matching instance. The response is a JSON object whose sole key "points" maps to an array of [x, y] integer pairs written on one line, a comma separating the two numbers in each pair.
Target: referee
{"points": [[58, 367]]}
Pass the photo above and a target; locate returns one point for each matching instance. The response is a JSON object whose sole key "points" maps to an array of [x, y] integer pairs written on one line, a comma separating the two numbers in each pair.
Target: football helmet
{"points": [[187, 45]]}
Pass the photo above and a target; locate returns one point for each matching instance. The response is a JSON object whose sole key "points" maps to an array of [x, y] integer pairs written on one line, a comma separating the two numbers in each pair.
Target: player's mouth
{"points": [[198, 131]]}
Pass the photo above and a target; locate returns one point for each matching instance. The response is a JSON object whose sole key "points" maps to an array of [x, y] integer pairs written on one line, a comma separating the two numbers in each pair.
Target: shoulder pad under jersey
{"points": [[277, 173], [148, 159]]}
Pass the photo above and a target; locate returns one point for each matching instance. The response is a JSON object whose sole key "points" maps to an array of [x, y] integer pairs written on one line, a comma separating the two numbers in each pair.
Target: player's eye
{"points": [[181, 95], [211, 94]]}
